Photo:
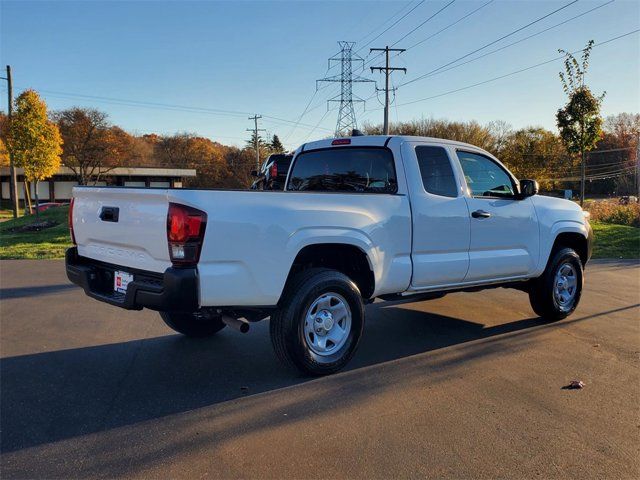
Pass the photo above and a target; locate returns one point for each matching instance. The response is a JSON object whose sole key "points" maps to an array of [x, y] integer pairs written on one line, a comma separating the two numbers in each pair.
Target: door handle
{"points": [[480, 214], [109, 214]]}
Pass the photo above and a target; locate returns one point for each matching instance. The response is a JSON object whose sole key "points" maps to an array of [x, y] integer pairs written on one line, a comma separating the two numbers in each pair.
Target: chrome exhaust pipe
{"points": [[239, 324]]}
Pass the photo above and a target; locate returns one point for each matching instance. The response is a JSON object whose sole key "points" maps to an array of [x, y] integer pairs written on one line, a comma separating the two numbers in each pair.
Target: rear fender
{"points": [[342, 235]]}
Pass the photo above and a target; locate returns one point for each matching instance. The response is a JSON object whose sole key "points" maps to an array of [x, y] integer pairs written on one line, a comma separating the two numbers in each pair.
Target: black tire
{"points": [[541, 291], [287, 324], [196, 325]]}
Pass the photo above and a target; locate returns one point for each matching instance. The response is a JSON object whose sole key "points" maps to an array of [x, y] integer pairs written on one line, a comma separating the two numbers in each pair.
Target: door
{"points": [[440, 217], [505, 240]]}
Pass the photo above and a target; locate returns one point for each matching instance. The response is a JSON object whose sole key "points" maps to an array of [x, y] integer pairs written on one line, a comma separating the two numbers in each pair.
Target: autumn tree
{"points": [[4, 130], [615, 153], [579, 121], [240, 163], [34, 140], [534, 153], [468, 132], [189, 151], [4, 154], [92, 147]]}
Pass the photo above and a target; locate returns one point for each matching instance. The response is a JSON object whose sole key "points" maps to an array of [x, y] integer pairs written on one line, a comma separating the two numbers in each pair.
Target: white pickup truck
{"points": [[366, 217]]}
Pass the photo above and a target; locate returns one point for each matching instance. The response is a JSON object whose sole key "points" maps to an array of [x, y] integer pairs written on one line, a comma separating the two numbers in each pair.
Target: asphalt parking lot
{"points": [[467, 386]]}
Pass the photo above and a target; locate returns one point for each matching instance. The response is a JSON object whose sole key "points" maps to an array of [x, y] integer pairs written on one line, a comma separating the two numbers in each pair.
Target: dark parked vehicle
{"points": [[273, 173], [46, 206]]}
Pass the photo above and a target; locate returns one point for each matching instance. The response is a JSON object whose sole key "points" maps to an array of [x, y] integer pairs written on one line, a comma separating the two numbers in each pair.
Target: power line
{"points": [[319, 122], [439, 71], [514, 72], [620, 173], [306, 110], [451, 24], [169, 107], [433, 35], [489, 44], [593, 152], [331, 66], [293, 128], [391, 26], [385, 22], [413, 30]]}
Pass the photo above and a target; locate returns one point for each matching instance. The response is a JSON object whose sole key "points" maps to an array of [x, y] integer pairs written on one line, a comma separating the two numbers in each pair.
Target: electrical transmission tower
{"points": [[346, 114]]}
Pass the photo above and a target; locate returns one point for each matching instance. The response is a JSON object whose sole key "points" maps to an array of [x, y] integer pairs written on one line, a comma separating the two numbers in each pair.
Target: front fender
{"points": [[557, 228]]}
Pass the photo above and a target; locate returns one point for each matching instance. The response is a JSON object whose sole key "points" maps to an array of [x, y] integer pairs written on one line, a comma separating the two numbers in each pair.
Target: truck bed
{"points": [[251, 238]]}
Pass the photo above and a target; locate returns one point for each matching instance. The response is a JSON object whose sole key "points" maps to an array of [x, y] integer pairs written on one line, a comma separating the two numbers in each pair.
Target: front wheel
{"points": [[319, 322], [556, 293], [196, 324]]}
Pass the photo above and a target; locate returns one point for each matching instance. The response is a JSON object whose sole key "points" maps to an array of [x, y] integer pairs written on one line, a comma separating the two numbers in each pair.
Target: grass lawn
{"points": [[616, 241], [612, 241], [47, 243]]}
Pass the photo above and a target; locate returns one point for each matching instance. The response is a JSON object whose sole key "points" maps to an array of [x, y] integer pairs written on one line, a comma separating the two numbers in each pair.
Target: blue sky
{"points": [[265, 56]]}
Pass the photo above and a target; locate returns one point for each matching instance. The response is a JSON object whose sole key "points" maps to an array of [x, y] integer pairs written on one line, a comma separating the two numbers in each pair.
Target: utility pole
{"points": [[387, 69], [13, 184], [346, 114], [256, 142]]}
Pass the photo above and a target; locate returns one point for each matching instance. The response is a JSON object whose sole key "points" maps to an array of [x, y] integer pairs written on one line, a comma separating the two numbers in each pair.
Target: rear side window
{"points": [[346, 169], [435, 169]]}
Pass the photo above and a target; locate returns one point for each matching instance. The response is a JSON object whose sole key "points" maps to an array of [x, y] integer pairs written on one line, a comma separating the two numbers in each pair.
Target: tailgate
{"points": [[122, 226]]}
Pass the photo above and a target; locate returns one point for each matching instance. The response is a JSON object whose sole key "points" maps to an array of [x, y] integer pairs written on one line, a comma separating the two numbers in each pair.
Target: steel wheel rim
{"points": [[565, 286], [327, 324]]}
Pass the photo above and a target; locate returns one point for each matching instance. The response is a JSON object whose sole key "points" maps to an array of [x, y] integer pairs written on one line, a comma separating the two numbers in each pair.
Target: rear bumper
{"points": [[174, 290]]}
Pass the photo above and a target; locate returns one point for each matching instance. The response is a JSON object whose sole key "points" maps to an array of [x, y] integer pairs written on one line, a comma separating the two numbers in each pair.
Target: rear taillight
{"points": [[274, 170], [73, 237], [185, 233]]}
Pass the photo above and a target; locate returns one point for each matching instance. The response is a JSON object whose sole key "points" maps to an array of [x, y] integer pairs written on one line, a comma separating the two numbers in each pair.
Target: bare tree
{"points": [[91, 146]]}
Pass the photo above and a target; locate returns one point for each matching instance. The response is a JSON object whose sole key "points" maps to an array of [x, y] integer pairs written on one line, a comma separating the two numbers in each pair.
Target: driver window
{"points": [[484, 177]]}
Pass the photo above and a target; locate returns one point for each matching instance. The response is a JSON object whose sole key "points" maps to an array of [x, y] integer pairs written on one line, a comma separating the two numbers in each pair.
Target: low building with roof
{"points": [[58, 188]]}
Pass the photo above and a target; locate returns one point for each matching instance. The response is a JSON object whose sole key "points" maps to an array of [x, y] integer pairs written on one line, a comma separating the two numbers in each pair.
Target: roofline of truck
{"points": [[362, 140]]}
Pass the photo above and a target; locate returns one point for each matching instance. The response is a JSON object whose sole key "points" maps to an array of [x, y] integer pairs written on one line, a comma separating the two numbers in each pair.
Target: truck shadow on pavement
{"points": [[48, 397], [21, 292]]}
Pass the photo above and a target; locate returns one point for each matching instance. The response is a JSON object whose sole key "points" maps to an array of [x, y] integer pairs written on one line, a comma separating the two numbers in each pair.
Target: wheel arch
{"points": [[575, 239], [345, 257]]}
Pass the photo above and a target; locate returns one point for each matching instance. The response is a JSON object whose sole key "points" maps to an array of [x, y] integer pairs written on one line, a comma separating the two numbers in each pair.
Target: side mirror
{"points": [[254, 173], [528, 188]]}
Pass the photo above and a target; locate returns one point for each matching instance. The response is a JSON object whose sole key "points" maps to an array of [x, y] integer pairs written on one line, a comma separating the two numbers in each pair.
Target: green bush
{"points": [[611, 211]]}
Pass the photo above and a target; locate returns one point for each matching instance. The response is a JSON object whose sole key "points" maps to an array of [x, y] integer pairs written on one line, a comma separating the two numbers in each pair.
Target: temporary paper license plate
{"points": [[121, 281]]}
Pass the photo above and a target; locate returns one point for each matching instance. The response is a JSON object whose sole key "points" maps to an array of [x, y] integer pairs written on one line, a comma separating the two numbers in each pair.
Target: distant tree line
{"points": [[91, 145], [534, 152]]}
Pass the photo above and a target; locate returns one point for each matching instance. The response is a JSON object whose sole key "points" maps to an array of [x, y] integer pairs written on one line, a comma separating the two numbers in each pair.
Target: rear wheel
{"points": [[319, 322], [556, 293], [196, 324]]}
